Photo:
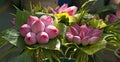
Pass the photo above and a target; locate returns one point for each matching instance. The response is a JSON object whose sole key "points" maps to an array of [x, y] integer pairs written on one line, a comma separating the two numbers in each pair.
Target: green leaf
{"points": [[53, 44], [21, 18], [91, 49], [62, 29], [14, 38], [97, 23], [3, 42], [50, 54], [24, 57]]}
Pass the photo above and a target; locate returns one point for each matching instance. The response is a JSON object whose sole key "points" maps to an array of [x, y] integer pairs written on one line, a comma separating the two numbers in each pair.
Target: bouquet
{"points": [[63, 32]]}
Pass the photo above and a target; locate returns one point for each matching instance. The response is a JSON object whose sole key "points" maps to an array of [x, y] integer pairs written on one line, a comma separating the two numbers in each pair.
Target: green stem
{"points": [[38, 55]]}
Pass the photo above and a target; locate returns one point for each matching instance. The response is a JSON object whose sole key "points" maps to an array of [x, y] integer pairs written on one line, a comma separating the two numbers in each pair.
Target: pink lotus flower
{"points": [[52, 31], [47, 20], [42, 38], [64, 8], [38, 26], [24, 29], [32, 19], [30, 38], [71, 10], [116, 1], [82, 34], [112, 18], [118, 12]]}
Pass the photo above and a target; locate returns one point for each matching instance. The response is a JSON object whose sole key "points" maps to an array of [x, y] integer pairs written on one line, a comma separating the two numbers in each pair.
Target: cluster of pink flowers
{"points": [[38, 30], [82, 34], [64, 8]]}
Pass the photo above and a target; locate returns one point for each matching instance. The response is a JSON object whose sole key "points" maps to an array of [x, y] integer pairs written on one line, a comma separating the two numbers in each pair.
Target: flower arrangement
{"points": [[62, 32]]}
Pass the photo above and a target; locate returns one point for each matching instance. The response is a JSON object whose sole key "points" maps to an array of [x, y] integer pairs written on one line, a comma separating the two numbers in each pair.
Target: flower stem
{"points": [[38, 55]]}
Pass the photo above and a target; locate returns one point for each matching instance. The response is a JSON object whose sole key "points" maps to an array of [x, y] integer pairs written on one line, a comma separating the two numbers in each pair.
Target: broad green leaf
{"points": [[53, 44], [62, 29], [21, 18], [3, 42], [91, 49], [24, 57], [14, 38]]}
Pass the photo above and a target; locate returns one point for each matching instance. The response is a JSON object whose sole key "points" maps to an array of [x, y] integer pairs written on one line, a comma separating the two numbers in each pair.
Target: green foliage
{"points": [[3, 42], [50, 54], [21, 18], [13, 37], [97, 23], [91, 49], [25, 56]]}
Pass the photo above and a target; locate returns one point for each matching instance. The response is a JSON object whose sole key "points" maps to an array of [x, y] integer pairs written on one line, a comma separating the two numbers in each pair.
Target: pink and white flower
{"points": [[64, 8], [82, 34]]}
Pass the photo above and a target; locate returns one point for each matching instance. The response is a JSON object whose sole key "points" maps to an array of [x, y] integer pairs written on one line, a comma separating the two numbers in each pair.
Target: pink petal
{"points": [[76, 26], [93, 40], [62, 8], [69, 36], [76, 39], [74, 31], [71, 10]]}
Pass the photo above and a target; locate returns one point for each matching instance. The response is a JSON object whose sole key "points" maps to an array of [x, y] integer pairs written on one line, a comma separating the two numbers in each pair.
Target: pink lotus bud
{"points": [[118, 12], [77, 39], [116, 1], [112, 18], [30, 38], [93, 39], [32, 19], [38, 26], [62, 8], [24, 29], [52, 31], [42, 37], [71, 10], [47, 20], [69, 36]]}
